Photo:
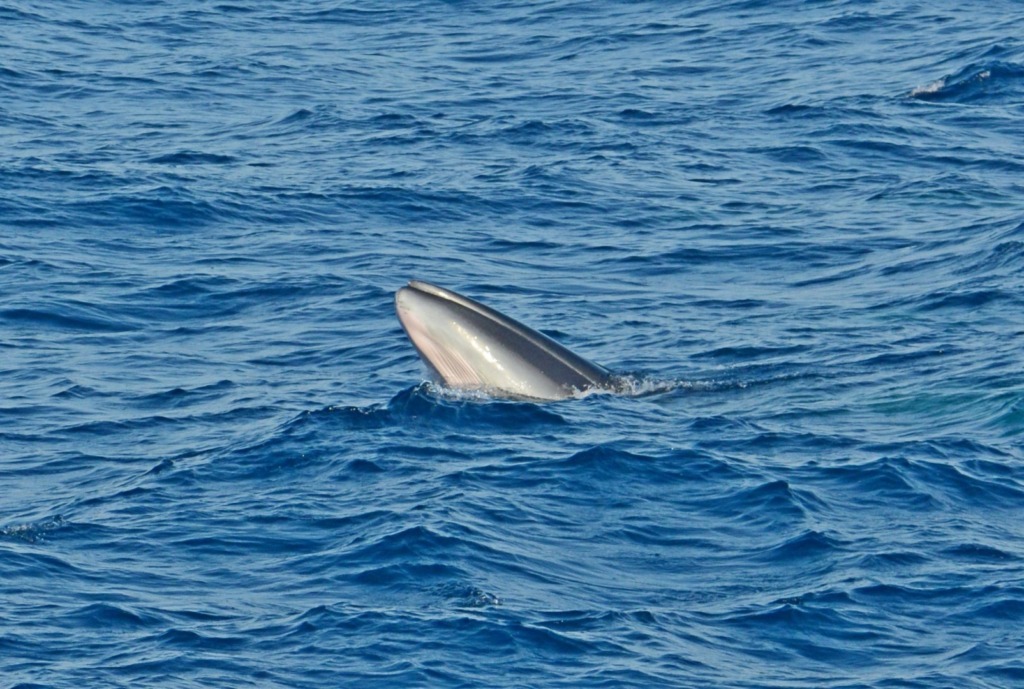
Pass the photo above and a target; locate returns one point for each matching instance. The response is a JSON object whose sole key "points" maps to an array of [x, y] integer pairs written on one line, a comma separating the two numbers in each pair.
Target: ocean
{"points": [[796, 227]]}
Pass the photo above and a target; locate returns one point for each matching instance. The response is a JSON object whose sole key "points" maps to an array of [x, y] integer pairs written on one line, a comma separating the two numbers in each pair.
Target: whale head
{"points": [[469, 346]]}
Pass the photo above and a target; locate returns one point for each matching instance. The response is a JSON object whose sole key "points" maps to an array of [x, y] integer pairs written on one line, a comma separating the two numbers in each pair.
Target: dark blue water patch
{"points": [[178, 397], [195, 641], [189, 287], [76, 391], [158, 207], [774, 505], [713, 426], [40, 565], [66, 317], [978, 553], [640, 117], [958, 484], [502, 245], [1004, 255], [910, 596], [801, 112], [752, 353], [108, 428], [893, 560], [887, 481], [945, 189], [423, 404], [799, 155], [1009, 606], [193, 158], [971, 298], [112, 618], [664, 536], [788, 616], [15, 14], [297, 122], [810, 627], [909, 358], [410, 205]]}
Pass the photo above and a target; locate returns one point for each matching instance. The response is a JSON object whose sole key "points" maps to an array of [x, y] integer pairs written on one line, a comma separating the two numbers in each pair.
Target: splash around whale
{"points": [[470, 346]]}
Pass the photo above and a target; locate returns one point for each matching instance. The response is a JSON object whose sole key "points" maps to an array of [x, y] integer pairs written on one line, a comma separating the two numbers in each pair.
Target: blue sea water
{"points": [[798, 227]]}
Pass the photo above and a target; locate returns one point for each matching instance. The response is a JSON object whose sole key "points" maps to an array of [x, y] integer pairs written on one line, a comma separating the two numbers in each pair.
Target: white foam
{"points": [[933, 87]]}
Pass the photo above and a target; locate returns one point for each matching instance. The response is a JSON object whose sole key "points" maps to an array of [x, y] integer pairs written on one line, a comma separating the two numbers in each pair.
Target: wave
{"points": [[33, 532], [995, 83], [66, 317]]}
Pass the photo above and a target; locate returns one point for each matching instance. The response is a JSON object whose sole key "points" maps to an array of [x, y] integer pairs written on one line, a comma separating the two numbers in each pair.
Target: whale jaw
{"points": [[469, 346]]}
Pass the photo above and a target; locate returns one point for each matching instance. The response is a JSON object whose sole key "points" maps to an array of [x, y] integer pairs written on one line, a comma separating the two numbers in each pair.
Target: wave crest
{"points": [[993, 83]]}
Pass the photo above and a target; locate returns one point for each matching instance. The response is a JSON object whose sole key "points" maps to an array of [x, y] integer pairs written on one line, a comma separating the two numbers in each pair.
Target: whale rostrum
{"points": [[469, 346]]}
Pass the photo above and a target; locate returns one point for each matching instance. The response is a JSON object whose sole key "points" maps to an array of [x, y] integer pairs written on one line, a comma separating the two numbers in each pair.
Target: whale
{"points": [[469, 346]]}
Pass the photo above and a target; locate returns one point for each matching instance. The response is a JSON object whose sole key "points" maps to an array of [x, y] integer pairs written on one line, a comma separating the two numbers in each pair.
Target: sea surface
{"points": [[796, 227]]}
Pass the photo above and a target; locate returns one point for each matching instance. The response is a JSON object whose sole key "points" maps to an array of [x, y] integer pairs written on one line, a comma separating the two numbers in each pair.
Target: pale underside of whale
{"points": [[469, 346]]}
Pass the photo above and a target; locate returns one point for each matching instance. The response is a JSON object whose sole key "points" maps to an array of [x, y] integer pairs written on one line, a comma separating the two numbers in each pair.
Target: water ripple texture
{"points": [[795, 229]]}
